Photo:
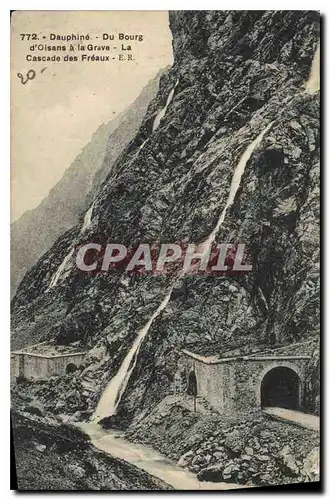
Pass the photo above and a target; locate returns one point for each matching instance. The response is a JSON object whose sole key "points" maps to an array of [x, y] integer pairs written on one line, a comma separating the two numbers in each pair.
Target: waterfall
{"points": [[235, 183], [114, 391], [162, 112], [313, 83], [60, 269], [88, 218], [263, 298], [112, 394], [141, 147]]}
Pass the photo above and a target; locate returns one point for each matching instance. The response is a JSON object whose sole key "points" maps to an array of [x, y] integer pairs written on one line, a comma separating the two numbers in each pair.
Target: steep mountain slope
{"points": [[37, 230], [68, 461], [242, 82]]}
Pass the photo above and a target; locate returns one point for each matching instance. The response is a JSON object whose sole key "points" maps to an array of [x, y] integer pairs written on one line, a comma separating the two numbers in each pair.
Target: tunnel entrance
{"points": [[192, 384], [280, 388], [70, 368]]}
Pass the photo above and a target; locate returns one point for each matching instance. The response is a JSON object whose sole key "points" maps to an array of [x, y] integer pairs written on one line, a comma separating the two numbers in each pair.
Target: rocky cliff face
{"points": [[37, 230], [235, 76]]}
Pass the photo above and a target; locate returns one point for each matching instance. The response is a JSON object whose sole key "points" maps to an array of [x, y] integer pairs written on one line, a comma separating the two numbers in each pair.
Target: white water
{"points": [[235, 183], [146, 458], [88, 218], [112, 394], [263, 298], [141, 147], [162, 112], [60, 269], [114, 391], [313, 83]]}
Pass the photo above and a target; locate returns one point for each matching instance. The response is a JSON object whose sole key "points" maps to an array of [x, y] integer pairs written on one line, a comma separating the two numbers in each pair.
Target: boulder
{"points": [[61, 404], [289, 463], [266, 478], [266, 435], [40, 447], [311, 466], [230, 470], [218, 455], [186, 458], [33, 410], [197, 460], [76, 470], [262, 458], [233, 441], [211, 473]]}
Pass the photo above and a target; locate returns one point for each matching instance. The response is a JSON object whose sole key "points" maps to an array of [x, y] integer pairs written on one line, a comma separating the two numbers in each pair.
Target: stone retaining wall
{"points": [[234, 384], [37, 366]]}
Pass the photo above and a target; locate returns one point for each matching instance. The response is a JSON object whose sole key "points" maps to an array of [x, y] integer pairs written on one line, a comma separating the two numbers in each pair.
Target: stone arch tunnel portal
{"points": [[70, 368], [280, 387]]}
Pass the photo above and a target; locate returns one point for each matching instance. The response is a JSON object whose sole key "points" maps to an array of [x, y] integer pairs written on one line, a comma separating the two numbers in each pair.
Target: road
{"points": [[295, 417]]}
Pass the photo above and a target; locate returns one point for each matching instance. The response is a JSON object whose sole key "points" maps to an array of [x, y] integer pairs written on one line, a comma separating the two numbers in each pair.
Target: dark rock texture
{"points": [[58, 457], [235, 73]]}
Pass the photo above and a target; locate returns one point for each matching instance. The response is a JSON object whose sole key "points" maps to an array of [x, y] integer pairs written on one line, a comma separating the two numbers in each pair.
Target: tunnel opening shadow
{"points": [[280, 387], [192, 384], [71, 368]]}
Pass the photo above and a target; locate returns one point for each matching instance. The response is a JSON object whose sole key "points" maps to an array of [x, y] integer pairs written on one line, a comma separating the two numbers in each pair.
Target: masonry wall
{"points": [[235, 386], [33, 366], [15, 365], [210, 385], [249, 375], [57, 365]]}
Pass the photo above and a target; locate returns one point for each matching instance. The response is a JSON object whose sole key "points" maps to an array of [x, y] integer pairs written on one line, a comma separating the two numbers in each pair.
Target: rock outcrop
{"points": [[64, 207], [249, 450]]}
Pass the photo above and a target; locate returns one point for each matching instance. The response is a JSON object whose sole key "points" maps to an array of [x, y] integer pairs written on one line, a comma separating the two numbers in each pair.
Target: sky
{"points": [[55, 114]]}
